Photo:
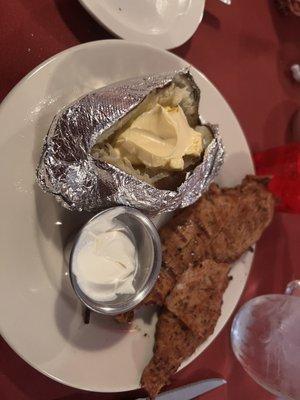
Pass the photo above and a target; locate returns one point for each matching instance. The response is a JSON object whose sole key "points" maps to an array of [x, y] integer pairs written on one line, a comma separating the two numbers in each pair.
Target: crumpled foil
{"points": [[79, 182]]}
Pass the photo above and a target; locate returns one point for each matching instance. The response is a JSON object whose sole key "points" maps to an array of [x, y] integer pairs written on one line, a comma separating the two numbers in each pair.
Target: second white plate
{"points": [[161, 23], [40, 317]]}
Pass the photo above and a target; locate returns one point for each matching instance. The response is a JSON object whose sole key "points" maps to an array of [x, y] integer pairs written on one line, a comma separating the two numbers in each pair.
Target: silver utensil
{"points": [[228, 2], [188, 392]]}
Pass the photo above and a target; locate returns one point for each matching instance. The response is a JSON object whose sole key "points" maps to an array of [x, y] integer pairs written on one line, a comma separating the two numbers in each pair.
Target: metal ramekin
{"points": [[147, 242]]}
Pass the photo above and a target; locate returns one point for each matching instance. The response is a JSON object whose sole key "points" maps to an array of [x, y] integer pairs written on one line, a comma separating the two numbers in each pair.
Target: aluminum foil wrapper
{"points": [[79, 182]]}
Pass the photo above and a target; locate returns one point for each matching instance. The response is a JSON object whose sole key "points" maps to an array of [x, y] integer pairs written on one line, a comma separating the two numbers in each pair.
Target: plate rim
{"points": [[10, 94]]}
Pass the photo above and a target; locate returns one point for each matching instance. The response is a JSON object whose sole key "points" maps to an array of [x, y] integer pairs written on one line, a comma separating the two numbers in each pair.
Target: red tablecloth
{"points": [[246, 50]]}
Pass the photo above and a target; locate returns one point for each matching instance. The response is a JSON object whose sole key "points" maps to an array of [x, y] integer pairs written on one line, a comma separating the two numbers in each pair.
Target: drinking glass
{"points": [[265, 337]]}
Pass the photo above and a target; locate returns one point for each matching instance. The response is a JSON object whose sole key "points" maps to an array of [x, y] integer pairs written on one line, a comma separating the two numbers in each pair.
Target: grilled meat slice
{"points": [[197, 296], [173, 343], [162, 288], [196, 300], [198, 244], [249, 210], [178, 238], [221, 226]]}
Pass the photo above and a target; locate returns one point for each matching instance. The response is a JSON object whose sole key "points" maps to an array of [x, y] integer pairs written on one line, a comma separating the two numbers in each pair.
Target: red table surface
{"points": [[246, 50]]}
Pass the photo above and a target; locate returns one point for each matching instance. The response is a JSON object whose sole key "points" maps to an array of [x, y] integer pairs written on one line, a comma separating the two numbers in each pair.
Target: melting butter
{"points": [[160, 138]]}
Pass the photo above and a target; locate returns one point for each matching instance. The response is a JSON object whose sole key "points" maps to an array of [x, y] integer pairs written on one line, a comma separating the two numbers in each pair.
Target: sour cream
{"points": [[105, 259]]}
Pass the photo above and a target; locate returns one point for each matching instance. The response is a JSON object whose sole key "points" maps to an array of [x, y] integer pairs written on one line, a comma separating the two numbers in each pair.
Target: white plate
{"points": [[161, 23], [40, 317]]}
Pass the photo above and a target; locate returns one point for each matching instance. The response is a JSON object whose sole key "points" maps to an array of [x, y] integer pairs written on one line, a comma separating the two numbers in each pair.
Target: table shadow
{"points": [[211, 20], [278, 117], [182, 50], [208, 19], [80, 22]]}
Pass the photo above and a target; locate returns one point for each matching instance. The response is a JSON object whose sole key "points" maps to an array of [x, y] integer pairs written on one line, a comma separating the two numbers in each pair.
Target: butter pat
{"points": [[159, 138]]}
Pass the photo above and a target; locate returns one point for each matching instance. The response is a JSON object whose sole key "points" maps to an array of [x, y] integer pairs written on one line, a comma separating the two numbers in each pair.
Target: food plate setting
{"points": [[137, 213]]}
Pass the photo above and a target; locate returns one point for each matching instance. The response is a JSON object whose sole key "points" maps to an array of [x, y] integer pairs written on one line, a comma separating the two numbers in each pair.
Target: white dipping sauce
{"points": [[105, 259]]}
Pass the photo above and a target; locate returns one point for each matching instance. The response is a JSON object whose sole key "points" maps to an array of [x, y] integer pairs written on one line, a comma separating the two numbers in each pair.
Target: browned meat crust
{"points": [[194, 307], [198, 244], [197, 297], [221, 226], [162, 288], [125, 318], [173, 343]]}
